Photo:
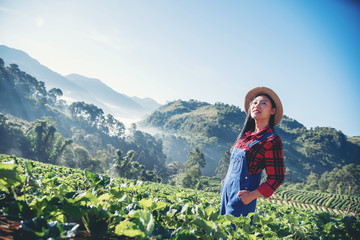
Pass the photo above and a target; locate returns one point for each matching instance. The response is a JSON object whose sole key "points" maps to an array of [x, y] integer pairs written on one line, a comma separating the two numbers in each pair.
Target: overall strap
{"points": [[260, 139]]}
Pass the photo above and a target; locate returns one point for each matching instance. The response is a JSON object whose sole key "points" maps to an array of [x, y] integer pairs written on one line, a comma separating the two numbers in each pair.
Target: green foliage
{"points": [[126, 167], [53, 96], [224, 165], [196, 157], [197, 124], [319, 199], [122, 165], [354, 140], [21, 94], [93, 119], [47, 145], [189, 176], [70, 199], [148, 148], [12, 137], [94, 134], [39, 228], [341, 181]]}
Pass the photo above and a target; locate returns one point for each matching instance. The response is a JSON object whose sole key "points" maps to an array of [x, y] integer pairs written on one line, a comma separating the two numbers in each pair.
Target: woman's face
{"points": [[261, 108]]}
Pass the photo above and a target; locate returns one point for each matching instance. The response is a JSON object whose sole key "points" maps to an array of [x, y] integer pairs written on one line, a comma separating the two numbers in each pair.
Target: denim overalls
{"points": [[238, 178]]}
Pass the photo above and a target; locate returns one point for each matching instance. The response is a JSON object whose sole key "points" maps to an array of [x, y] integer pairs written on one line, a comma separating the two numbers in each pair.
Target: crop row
{"points": [[58, 202], [333, 201]]}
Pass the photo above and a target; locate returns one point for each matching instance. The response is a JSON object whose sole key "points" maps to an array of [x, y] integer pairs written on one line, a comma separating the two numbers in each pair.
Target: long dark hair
{"points": [[249, 124]]}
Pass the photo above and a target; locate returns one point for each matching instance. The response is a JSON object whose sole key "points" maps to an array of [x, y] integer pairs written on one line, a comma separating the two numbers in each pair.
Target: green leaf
{"points": [[211, 213], [91, 176], [146, 203], [147, 220], [39, 228], [199, 211], [183, 234], [152, 204], [28, 168], [203, 224], [129, 229], [171, 213], [8, 175], [65, 189], [104, 197]]}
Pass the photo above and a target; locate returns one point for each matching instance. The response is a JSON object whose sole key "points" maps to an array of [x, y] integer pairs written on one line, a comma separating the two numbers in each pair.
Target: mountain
{"points": [[110, 98], [183, 125], [36, 123], [78, 88]]}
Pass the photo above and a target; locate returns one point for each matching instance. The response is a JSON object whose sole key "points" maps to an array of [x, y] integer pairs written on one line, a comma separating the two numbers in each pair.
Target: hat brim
{"points": [[250, 96]]}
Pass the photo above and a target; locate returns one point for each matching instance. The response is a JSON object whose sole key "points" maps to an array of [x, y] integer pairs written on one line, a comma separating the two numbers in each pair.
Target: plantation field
{"points": [[344, 204], [56, 202]]}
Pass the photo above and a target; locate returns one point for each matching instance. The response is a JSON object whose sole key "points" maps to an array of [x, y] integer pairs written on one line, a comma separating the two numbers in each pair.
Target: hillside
{"points": [[38, 124], [79, 88], [214, 127]]}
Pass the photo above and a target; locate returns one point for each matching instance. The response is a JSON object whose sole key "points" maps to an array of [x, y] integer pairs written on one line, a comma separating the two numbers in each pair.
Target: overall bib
{"points": [[238, 178]]}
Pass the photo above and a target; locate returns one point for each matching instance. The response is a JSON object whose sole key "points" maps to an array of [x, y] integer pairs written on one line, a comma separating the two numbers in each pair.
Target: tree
{"points": [[82, 157], [113, 127], [149, 149], [92, 118], [88, 115], [127, 167], [341, 181], [121, 164], [196, 157], [53, 95], [47, 144], [224, 165], [12, 137], [190, 175], [173, 168], [312, 182]]}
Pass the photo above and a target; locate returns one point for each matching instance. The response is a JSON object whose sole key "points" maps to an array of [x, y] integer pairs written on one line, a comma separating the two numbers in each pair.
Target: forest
{"points": [[188, 145], [37, 124]]}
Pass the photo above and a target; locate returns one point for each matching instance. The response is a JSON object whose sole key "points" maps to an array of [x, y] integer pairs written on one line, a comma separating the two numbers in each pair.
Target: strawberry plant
{"points": [[58, 202]]}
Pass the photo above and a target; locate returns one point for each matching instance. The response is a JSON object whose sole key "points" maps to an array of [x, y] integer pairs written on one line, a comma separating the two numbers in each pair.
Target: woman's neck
{"points": [[260, 126]]}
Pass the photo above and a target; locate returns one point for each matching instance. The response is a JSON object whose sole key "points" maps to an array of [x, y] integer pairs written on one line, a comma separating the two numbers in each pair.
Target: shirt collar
{"points": [[259, 134]]}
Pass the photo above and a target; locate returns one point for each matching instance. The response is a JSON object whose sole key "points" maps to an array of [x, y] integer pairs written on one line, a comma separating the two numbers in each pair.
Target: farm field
{"points": [[339, 204], [42, 201]]}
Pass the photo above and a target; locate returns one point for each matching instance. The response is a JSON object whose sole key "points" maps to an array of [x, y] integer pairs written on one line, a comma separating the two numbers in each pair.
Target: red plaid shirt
{"points": [[266, 154]]}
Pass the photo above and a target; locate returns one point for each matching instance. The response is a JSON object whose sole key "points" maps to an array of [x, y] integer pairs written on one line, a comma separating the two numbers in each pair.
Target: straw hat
{"points": [[264, 90]]}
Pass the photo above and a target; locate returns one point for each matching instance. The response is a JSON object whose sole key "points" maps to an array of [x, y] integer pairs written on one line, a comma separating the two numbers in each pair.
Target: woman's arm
{"points": [[247, 197], [275, 170], [274, 166]]}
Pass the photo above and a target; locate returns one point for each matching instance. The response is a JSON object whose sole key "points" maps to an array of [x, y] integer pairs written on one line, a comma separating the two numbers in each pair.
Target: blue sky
{"points": [[214, 51]]}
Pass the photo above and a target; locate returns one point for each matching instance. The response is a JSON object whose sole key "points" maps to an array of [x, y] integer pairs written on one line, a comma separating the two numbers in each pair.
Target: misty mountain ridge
{"points": [[79, 88], [113, 100]]}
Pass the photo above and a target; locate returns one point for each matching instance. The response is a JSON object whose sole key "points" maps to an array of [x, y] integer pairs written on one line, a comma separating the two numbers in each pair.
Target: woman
{"points": [[256, 148]]}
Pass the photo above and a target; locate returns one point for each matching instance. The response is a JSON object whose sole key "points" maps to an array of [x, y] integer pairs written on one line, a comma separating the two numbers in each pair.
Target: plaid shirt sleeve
{"points": [[274, 165]]}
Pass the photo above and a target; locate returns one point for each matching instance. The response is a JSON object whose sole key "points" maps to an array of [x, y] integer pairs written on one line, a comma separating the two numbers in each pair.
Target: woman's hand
{"points": [[247, 197]]}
